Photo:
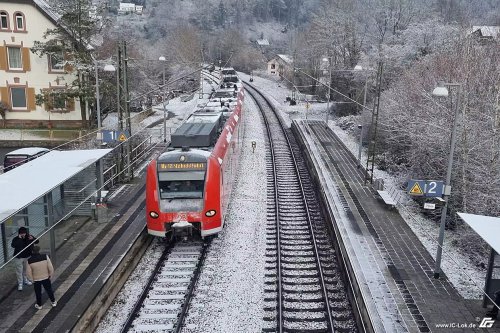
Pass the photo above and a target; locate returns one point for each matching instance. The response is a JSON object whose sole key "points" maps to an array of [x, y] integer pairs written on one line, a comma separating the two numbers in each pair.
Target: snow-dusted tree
{"points": [[416, 126], [184, 46]]}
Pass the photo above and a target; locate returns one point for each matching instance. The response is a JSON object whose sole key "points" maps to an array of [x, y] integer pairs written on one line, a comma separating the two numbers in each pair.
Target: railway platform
{"points": [[93, 261], [392, 269]]}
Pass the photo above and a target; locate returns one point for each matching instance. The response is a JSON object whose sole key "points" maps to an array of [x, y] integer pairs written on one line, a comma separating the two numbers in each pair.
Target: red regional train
{"points": [[188, 187]]}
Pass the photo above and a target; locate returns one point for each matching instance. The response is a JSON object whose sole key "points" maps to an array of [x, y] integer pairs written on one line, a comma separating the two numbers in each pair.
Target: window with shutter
{"points": [[18, 98], [14, 58]]}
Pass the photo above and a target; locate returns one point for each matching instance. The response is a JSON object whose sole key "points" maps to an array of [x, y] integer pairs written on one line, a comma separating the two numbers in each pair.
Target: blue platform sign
{"points": [[108, 136], [426, 188], [111, 136]]}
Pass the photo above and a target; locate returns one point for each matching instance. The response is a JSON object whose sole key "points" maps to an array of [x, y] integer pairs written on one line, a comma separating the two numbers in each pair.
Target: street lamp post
{"points": [[442, 91], [163, 59]]}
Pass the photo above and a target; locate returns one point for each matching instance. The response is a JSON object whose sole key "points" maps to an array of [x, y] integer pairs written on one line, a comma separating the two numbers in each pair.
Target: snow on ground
{"points": [[229, 296], [463, 272], [114, 319]]}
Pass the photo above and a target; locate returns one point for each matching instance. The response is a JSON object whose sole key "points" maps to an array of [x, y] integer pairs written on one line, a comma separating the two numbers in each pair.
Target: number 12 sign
{"points": [[426, 188]]}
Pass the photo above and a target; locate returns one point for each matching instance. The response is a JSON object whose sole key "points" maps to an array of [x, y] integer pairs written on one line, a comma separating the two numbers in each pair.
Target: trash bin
{"points": [[102, 212]]}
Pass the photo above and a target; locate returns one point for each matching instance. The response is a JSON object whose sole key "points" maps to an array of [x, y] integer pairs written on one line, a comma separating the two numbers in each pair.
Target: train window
{"points": [[177, 189]]}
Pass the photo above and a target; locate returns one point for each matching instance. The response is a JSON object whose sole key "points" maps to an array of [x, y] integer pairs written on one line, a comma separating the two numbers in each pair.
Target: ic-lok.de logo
{"points": [[486, 322]]}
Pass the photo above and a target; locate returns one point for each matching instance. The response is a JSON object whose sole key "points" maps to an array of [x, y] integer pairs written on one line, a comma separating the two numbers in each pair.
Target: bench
{"points": [[386, 196]]}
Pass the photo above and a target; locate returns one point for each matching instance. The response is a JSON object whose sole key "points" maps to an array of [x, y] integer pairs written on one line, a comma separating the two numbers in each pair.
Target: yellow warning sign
{"points": [[122, 137], [416, 189]]}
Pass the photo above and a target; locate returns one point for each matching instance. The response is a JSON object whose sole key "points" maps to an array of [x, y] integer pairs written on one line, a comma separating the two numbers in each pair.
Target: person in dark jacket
{"points": [[40, 270], [22, 251]]}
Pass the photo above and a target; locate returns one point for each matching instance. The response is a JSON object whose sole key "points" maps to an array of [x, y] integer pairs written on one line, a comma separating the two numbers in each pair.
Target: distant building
{"points": [[127, 8], [486, 32], [24, 74], [262, 42], [280, 65]]}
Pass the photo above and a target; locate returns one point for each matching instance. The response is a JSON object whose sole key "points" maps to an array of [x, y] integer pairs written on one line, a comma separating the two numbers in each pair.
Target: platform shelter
{"points": [[488, 228], [45, 194]]}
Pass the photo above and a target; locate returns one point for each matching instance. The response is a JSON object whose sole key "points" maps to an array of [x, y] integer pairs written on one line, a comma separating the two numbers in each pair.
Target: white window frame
{"points": [[52, 68], [25, 107], [4, 14], [20, 58], [16, 17]]}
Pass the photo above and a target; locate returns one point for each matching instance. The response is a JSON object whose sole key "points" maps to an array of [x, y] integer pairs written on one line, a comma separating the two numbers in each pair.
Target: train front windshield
{"points": [[181, 185]]}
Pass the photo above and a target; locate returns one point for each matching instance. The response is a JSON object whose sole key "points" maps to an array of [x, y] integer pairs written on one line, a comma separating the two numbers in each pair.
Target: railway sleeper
{"points": [[303, 297]]}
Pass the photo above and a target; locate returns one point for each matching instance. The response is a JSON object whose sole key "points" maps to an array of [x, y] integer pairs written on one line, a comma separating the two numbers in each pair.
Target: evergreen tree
{"points": [[221, 15]]}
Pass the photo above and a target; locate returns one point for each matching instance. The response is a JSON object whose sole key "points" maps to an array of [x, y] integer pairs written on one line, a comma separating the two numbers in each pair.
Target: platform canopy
{"points": [[27, 183], [487, 227]]}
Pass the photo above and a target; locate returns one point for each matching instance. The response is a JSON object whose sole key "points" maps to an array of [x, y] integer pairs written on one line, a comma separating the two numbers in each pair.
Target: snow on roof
{"points": [[262, 42], [487, 227], [487, 31], [47, 10], [286, 58], [34, 179]]}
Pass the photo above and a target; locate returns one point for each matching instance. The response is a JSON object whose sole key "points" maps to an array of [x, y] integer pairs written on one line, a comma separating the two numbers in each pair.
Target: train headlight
{"points": [[153, 214], [210, 213]]}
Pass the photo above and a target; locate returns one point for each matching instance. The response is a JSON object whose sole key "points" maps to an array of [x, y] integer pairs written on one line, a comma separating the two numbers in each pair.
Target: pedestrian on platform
{"points": [[22, 251], [493, 313], [40, 270]]}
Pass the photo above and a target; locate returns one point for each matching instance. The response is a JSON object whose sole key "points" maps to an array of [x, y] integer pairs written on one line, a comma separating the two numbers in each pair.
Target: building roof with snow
{"points": [[286, 58], [486, 31], [262, 42]]}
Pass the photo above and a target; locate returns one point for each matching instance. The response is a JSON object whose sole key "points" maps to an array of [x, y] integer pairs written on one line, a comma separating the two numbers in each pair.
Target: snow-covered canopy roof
{"points": [[25, 184], [262, 42], [487, 227], [487, 31]]}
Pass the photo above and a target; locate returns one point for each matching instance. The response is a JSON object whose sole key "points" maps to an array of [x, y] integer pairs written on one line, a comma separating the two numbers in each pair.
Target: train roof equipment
{"points": [[228, 71], [201, 129]]}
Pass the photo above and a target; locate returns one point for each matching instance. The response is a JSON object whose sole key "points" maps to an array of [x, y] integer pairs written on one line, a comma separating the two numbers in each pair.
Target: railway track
{"points": [[304, 290], [163, 305]]}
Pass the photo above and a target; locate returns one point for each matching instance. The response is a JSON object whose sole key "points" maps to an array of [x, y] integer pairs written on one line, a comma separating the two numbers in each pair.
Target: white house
{"points": [[24, 74], [280, 65], [126, 8]]}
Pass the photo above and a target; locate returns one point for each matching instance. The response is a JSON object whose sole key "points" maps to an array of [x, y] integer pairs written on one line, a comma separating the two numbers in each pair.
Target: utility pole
{"points": [[123, 108], [372, 135]]}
